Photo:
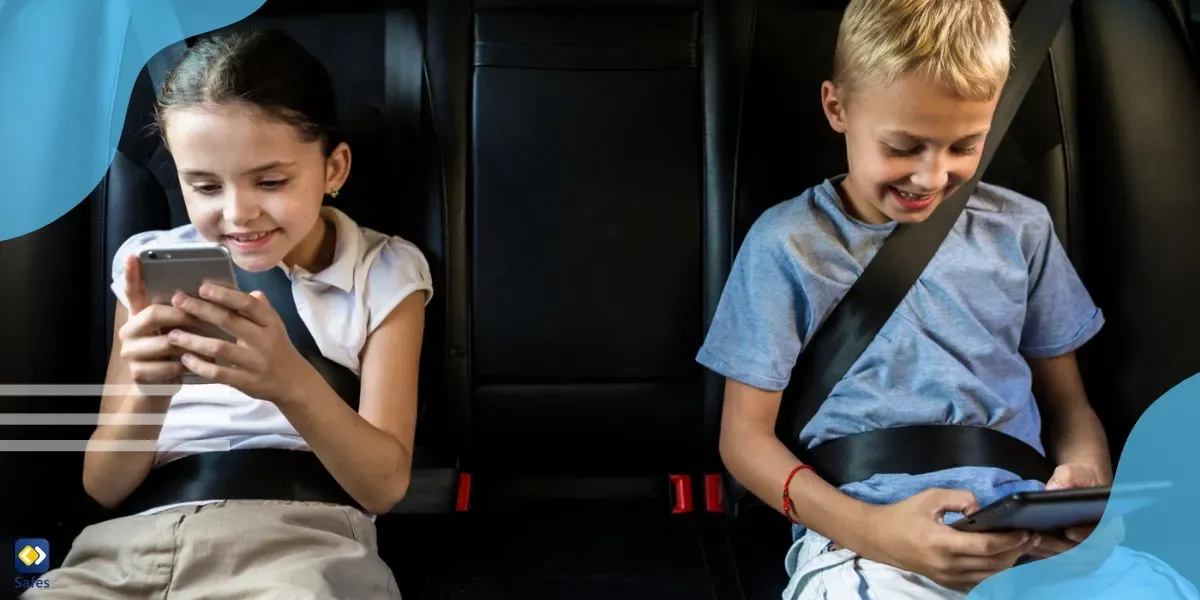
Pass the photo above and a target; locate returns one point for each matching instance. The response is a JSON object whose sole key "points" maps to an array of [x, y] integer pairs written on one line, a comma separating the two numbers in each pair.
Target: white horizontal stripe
{"points": [[98, 446], [85, 389], [194, 419]]}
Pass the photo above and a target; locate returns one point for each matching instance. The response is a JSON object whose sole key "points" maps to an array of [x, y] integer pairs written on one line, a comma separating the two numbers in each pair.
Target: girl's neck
{"points": [[315, 253]]}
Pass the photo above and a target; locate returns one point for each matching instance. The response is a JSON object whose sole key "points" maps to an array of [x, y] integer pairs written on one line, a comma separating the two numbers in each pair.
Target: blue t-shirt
{"points": [[1001, 286]]}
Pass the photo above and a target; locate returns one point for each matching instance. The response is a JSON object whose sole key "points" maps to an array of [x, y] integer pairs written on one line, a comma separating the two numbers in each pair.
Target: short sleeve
{"points": [[130, 247], [1060, 315], [757, 330], [398, 270]]}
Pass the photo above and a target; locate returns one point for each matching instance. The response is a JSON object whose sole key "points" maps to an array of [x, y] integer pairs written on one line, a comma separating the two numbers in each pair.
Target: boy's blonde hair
{"points": [[963, 45]]}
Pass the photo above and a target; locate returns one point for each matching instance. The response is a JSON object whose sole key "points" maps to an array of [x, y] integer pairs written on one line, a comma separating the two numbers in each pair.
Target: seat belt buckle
{"points": [[681, 491]]}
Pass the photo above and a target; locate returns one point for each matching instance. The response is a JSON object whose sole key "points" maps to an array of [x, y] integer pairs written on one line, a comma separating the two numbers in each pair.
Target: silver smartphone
{"points": [[169, 270]]}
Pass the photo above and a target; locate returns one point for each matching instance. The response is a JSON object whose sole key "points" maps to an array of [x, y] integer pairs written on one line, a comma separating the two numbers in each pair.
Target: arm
{"points": [[369, 452], [1074, 435], [1074, 440], [758, 460], [137, 357], [109, 476]]}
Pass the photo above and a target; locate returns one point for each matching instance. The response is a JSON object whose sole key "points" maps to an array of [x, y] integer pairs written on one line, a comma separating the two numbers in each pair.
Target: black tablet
{"points": [[1048, 512]]}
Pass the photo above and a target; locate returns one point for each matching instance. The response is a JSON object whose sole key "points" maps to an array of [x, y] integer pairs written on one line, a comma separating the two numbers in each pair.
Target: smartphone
{"points": [[167, 271], [1055, 511]]}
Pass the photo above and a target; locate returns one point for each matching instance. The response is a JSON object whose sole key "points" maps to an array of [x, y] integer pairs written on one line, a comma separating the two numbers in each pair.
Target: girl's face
{"points": [[252, 184]]}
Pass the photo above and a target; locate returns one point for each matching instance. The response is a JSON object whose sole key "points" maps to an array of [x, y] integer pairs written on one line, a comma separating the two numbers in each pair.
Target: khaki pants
{"points": [[227, 550]]}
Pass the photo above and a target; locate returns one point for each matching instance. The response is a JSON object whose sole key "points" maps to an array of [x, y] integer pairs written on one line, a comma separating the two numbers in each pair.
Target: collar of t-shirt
{"points": [[340, 272]]}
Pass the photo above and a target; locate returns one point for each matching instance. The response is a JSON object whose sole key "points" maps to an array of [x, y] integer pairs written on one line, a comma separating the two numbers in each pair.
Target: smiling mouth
{"points": [[911, 201], [248, 241], [249, 238]]}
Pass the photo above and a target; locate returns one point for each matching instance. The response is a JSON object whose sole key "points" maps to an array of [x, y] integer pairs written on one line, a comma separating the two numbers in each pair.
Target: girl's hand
{"points": [[263, 364], [153, 360]]}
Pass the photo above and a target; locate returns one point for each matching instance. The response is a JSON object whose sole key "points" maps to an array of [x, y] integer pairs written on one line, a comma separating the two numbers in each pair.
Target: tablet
{"points": [[1048, 512]]}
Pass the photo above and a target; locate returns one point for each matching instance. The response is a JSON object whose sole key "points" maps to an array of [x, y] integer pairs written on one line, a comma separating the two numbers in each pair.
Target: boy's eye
{"points": [[206, 188], [965, 151], [894, 151]]}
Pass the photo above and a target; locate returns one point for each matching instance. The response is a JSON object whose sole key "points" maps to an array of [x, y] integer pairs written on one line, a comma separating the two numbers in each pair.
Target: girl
{"points": [[248, 118]]}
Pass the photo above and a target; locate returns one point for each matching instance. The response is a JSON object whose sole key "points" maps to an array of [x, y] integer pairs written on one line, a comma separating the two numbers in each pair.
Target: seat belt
{"points": [[274, 283], [871, 300]]}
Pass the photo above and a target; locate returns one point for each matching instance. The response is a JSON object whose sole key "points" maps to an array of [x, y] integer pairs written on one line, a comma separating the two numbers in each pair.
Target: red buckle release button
{"points": [[464, 492], [682, 484], [714, 493]]}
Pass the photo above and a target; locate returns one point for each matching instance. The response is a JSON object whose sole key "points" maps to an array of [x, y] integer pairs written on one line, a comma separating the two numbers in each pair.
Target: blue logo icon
{"points": [[32, 555]]}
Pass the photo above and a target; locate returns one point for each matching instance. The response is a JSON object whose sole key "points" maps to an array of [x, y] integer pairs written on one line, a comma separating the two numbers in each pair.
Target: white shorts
{"points": [[818, 573]]}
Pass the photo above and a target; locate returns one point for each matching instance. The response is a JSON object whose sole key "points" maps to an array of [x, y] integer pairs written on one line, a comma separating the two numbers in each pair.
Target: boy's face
{"points": [[909, 145]]}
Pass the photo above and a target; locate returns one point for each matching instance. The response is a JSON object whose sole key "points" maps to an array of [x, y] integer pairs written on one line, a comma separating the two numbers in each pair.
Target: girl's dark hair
{"points": [[265, 68]]}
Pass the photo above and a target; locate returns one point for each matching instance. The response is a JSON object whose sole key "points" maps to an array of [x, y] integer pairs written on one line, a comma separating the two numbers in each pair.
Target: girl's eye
{"points": [[965, 151], [273, 184]]}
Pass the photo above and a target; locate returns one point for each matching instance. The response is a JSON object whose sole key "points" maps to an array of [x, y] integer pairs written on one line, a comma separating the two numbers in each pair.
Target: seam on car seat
{"points": [[104, 340], [1068, 147], [116, 76], [458, 414], [737, 144]]}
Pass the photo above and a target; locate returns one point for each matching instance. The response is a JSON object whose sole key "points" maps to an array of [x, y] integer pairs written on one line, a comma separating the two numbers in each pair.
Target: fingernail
{"points": [[1037, 539], [174, 335]]}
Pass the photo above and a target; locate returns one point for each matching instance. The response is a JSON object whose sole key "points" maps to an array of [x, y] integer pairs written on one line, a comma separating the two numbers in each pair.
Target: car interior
{"points": [[580, 174]]}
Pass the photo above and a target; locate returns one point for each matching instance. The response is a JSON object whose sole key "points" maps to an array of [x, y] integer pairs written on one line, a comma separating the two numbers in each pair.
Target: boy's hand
{"points": [[1068, 476], [263, 364], [152, 359], [912, 535]]}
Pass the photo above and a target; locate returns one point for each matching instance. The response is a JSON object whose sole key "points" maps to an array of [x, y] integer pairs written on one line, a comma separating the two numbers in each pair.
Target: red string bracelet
{"points": [[787, 498]]}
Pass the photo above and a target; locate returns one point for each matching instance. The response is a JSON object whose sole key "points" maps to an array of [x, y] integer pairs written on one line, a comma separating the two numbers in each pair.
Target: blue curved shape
{"points": [[67, 69], [1146, 553]]}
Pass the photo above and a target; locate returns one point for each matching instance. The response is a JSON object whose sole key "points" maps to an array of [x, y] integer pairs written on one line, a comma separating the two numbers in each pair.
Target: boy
{"points": [[996, 315]]}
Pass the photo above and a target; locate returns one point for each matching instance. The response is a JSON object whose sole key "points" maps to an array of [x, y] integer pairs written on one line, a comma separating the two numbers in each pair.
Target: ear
{"points": [[337, 167], [834, 109]]}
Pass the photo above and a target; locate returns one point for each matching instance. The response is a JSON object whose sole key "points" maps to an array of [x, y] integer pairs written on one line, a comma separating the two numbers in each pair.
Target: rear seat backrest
{"points": [[584, 217], [1139, 107]]}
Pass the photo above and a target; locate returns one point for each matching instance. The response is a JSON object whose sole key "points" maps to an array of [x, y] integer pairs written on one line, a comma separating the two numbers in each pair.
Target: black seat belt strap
{"points": [[274, 283], [889, 276]]}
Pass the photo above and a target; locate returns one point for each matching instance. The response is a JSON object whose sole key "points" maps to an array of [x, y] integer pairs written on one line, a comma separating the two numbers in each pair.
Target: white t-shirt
{"points": [[370, 275]]}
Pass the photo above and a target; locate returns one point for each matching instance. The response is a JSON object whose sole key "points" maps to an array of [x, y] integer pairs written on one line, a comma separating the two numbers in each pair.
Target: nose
{"points": [[240, 207], [933, 174]]}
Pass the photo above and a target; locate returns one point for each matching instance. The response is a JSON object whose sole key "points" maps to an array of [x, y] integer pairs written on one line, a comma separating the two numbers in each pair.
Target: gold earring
{"points": [[333, 193]]}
